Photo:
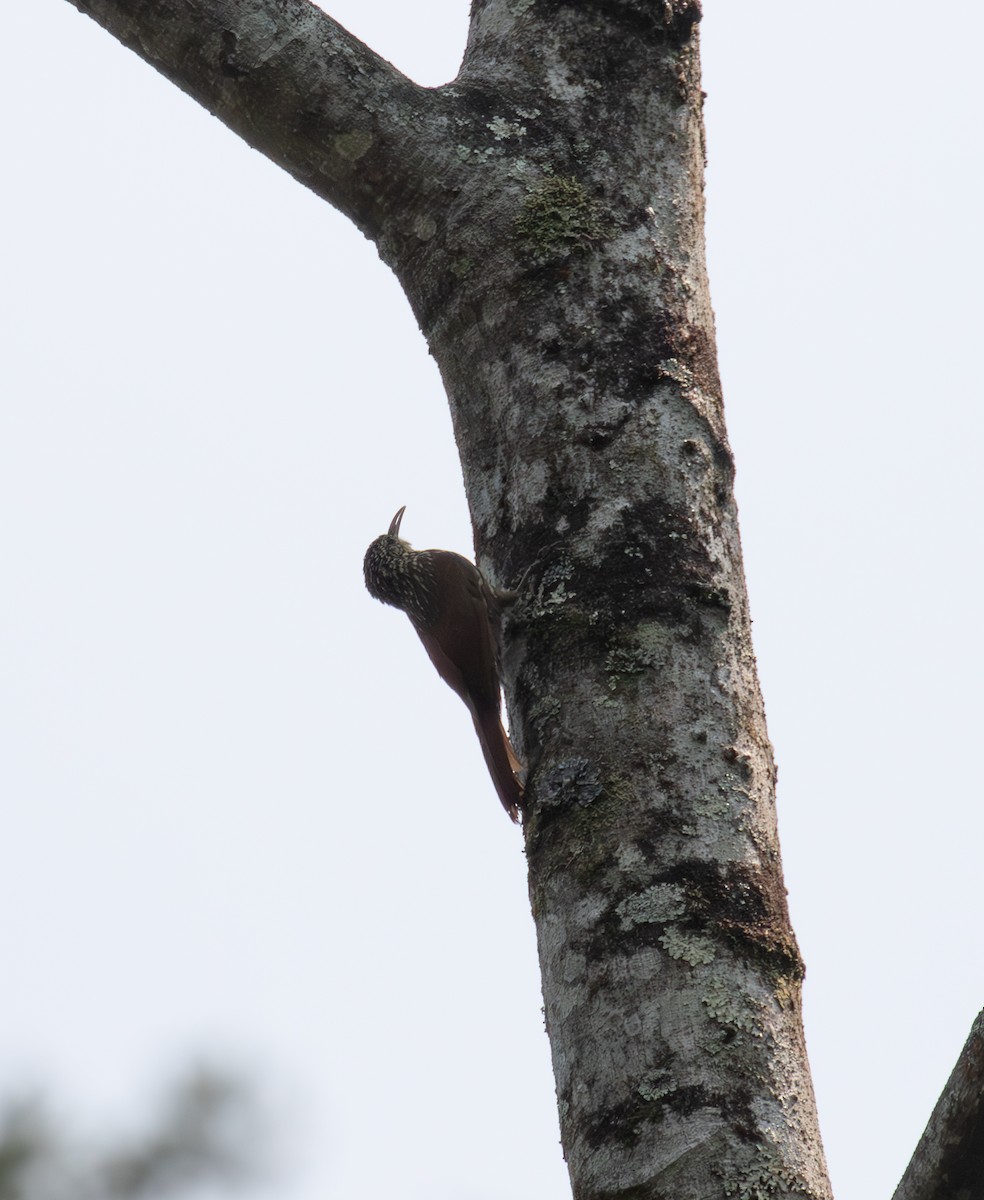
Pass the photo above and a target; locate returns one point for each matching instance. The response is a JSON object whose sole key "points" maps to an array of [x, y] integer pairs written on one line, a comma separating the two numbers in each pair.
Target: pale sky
{"points": [[242, 815]]}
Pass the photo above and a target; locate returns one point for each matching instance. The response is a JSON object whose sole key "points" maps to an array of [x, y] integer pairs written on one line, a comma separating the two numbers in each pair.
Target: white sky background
{"points": [[242, 815]]}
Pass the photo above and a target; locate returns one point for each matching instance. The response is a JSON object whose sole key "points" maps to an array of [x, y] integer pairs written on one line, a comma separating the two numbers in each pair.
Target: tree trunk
{"points": [[544, 214]]}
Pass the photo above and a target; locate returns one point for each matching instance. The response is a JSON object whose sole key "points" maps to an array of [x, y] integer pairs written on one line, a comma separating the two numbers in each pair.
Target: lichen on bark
{"points": [[558, 218]]}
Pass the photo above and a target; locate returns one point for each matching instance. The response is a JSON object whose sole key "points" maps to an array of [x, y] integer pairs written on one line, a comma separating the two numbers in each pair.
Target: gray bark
{"points": [[544, 214], [948, 1163]]}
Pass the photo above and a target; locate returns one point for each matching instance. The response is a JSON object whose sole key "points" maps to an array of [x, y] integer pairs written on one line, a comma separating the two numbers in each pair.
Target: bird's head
{"points": [[389, 566]]}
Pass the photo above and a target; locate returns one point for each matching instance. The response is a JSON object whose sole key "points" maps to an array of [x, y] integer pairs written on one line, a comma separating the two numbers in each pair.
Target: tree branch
{"points": [[295, 85], [949, 1159]]}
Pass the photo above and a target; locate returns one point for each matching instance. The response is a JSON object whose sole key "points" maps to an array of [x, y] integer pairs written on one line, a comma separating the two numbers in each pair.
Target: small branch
{"points": [[949, 1159], [294, 84]]}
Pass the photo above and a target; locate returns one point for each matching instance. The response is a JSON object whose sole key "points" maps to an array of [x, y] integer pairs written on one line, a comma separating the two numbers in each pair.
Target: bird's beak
{"points": [[394, 529]]}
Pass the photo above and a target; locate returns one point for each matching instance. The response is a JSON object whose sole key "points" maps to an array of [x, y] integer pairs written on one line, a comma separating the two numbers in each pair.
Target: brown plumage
{"points": [[456, 614]]}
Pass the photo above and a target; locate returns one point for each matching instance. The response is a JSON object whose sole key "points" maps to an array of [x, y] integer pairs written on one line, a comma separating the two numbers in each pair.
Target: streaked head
{"points": [[395, 574]]}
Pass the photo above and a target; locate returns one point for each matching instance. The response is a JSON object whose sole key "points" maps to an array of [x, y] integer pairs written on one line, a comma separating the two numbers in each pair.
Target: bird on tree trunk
{"points": [[456, 613]]}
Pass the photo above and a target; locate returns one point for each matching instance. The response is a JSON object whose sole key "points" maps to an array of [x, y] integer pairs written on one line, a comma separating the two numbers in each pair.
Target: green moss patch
{"points": [[559, 219]]}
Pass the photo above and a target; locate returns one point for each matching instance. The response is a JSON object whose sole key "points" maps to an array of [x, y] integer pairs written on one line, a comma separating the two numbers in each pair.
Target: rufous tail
{"points": [[504, 766]]}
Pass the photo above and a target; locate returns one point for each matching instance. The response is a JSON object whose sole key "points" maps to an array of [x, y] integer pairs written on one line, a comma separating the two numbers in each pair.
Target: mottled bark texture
{"points": [[544, 213], [949, 1161]]}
